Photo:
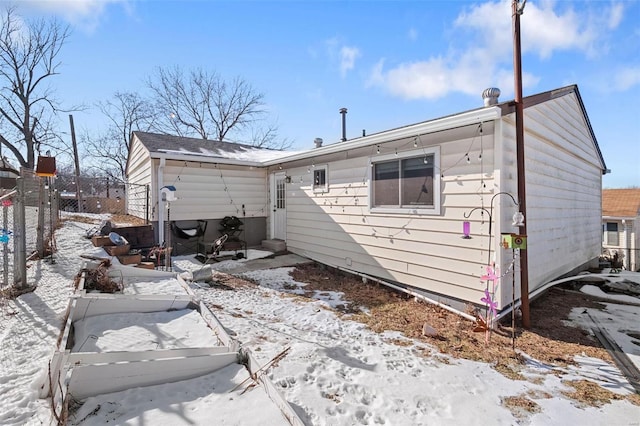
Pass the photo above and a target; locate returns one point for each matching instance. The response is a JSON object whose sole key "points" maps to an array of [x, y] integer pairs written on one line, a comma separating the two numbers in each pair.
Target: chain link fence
{"points": [[32, 211], [6, 245], [90, 194], [29, 219], [102, 195]]}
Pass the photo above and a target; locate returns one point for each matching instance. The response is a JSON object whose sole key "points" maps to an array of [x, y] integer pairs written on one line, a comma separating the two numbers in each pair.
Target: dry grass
{"points": [[98, 279], [521, 406], [116, 220], [548, 340], [594, 395]]}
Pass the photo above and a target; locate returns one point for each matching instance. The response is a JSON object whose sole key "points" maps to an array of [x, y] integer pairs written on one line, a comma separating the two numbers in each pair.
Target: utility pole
{"points": [[77, 161], [516, 10]]}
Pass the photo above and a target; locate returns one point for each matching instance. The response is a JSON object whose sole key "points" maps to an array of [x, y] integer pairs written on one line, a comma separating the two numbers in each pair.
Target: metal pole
{"points": [[77, 162], [40, 229], [516, 10]]}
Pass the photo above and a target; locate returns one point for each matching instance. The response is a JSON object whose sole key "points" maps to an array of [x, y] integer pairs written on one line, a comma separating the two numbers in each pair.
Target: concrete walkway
{"points": [[277, 261]]}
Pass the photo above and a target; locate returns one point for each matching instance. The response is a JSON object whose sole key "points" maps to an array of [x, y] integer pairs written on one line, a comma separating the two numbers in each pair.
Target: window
{"points": [[320, 181], [280, 193], [610, 236], [408, 183]]}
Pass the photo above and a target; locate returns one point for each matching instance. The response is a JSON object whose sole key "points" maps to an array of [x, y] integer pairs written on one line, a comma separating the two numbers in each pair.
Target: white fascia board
{"points": [[205, 159], [618, 217], [445, 123]]}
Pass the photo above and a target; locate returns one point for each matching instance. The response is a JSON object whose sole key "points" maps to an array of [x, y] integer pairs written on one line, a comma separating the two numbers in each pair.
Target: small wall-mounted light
{"points": [[287, 179], [466, 230]]}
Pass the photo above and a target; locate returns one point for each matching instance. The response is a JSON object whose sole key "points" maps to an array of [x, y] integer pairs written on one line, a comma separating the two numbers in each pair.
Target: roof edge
{"points": [[203, 159], [508, 107], [431, 126]]}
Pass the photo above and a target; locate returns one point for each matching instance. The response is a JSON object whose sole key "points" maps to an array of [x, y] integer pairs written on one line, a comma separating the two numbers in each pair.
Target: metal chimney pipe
{"points": [[343, 112]]}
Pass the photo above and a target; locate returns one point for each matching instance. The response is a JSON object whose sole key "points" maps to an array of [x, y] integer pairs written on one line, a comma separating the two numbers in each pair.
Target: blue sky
{"points": [[391, 63]]}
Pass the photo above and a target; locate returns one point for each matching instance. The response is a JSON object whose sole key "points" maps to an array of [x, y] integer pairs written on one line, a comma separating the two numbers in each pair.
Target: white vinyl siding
{"points": [[563, 186], [139, 176], [213, 191], [425, 251]]}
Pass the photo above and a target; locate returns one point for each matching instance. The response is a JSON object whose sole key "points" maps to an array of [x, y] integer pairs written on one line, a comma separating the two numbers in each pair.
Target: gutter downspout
{"points": [[161, 203]]}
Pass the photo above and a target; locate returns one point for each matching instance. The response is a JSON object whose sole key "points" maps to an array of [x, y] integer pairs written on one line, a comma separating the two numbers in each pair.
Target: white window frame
{"points": [[321, 188], [420, 153]]}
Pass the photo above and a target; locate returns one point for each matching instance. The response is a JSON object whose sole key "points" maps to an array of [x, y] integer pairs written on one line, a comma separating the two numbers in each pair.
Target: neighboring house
{"points": [[621, 225], [8, 174], [392, 204]]}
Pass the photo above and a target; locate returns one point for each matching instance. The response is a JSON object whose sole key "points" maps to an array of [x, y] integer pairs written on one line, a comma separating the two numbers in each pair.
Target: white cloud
{"points": [[481, 54], [348, 56], [341, 55], [615, 16], [626, 78], [547, 31], [85, 14]]}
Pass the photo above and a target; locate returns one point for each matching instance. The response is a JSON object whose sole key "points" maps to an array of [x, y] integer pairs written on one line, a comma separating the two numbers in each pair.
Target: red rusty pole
{"points": [[516, 10]]}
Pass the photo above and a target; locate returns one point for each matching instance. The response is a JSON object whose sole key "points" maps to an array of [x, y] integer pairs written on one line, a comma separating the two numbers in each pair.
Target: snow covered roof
{"points": [[177, 147]]}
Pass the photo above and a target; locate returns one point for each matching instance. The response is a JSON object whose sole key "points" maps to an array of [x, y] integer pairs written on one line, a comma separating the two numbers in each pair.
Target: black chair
{"points": [[192, 234]]}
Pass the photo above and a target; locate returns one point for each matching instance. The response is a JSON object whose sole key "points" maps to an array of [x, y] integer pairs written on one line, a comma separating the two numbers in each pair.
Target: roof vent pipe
{"points": [[318, 142], [343, 111], [490, 96]]}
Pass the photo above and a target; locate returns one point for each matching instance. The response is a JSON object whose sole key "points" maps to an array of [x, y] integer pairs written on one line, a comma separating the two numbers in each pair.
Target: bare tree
{"points": [[267, 137], [126, 113], [202, 104], [28, 57]]}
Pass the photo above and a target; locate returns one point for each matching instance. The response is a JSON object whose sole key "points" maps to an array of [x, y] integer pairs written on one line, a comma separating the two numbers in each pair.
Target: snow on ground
{"points": [[139, 331], [336, 372], [205, 400]]}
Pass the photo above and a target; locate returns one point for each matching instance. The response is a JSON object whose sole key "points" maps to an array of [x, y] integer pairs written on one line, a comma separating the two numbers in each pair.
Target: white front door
{"points": [[278, 206]]}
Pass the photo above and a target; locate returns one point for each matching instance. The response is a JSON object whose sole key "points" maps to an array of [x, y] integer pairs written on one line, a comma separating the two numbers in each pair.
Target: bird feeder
{"points": [[466, 230], [46, 166], [168, 193]]}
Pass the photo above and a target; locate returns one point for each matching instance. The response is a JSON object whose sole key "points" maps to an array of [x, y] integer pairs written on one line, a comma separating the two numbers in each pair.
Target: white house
{"points": [[621, 225], [392, 205], [211, 180]]}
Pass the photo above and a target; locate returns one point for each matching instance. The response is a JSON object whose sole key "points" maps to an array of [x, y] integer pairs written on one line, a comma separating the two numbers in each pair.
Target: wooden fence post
{"points": [[19, 238]]}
